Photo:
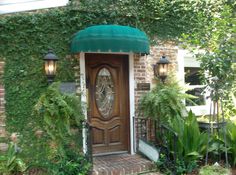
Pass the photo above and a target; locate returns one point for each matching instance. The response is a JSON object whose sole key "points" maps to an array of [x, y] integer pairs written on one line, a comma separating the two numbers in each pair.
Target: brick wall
{"points": [[3, 146], [140, 76], [2, 92], [143, 73], [143, 66]]}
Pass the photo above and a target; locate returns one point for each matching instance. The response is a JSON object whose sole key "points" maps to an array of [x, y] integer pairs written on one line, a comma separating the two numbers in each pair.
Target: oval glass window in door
{"points": [[104, 93]]}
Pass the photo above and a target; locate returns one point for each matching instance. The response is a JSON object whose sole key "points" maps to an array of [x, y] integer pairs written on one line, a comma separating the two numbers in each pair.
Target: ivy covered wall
{"points": [[26, 37]]}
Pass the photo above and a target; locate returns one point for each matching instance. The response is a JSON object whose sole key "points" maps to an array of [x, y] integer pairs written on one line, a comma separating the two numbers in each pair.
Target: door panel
{"points": [[107, 81]]}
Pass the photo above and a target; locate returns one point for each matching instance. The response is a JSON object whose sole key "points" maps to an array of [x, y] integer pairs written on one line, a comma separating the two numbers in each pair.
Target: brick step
{"points": [[2, 131], [2, 120], [122, 164], [3, 147]]}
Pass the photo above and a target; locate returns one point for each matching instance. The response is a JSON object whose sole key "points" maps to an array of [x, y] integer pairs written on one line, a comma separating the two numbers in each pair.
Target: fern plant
{"points": [[62, 115], [59, 112], [164, 101]]}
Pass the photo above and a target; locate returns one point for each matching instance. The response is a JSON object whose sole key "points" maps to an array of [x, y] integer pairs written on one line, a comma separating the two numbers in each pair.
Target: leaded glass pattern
{"points": [[105, 93]]}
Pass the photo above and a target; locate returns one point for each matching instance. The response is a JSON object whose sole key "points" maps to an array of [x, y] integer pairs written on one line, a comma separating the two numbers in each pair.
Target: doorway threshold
{"points": [[110, 153]]}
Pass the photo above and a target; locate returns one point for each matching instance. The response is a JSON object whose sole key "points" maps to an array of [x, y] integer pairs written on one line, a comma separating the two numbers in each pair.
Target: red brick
{"points": [[3, 146], [120, 164], [2, 131]]}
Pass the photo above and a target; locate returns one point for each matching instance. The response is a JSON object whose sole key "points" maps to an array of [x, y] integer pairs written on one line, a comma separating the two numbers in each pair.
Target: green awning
{"points": [[110, 38]]}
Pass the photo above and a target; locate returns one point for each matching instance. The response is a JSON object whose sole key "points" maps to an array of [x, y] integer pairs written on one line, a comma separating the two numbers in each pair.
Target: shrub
{"points": [[165, 101], [72, 164], [62, 113], [59, 112], [11, 163]]}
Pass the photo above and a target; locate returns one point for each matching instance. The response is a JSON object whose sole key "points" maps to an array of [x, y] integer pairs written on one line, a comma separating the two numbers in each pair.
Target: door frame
{"points": [[132, 138]]}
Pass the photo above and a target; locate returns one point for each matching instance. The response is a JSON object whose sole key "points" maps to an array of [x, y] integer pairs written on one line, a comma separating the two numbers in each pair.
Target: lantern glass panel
{"points": [[50, 67], [163, 69]]}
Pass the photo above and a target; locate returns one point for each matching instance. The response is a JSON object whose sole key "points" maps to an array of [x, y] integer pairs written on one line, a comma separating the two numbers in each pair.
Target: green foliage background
{"points": [[26, 37], [218, 40]]}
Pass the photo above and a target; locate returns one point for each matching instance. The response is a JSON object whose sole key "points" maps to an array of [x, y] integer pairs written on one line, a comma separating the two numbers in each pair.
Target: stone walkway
{"points": [[122, 164]]}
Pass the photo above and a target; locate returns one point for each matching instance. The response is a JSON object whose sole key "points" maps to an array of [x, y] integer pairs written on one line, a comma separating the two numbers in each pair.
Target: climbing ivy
{"points": [[162, 19], [26, 37]]}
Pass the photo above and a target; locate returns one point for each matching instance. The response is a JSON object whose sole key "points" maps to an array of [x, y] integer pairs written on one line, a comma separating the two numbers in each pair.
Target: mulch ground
{"points": [[234, 171]]}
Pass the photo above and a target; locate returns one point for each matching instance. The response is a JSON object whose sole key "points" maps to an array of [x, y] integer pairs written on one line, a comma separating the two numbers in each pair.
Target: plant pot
{"points": [[213, 125]]}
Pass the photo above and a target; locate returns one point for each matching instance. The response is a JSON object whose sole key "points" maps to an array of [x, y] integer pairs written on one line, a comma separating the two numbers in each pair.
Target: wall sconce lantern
{"points": [[50, 65], [161, 68]]}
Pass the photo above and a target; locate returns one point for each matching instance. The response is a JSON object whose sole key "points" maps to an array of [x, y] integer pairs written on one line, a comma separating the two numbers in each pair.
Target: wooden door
{"points": [[107, 83]]}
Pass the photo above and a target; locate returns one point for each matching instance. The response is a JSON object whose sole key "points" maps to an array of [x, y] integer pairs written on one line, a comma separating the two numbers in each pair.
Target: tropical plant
{"points": [[11, 163], [231, 140], [216, 147], [165, 101], [191, 143]]}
